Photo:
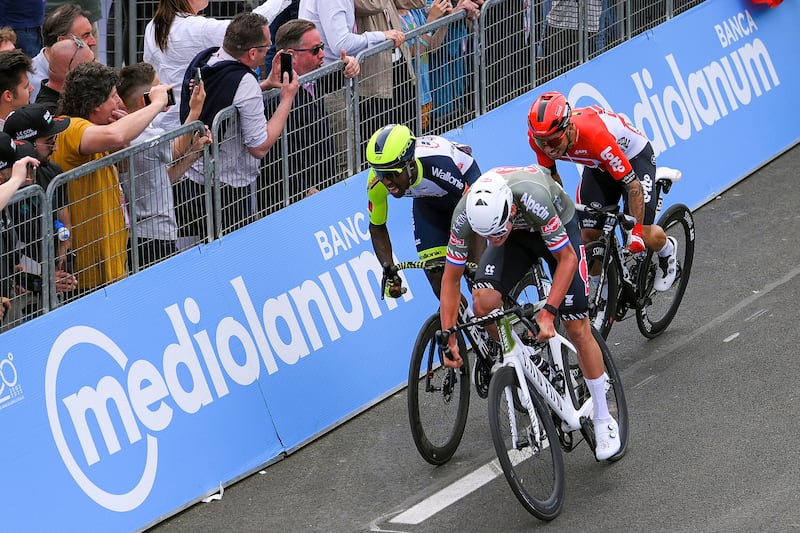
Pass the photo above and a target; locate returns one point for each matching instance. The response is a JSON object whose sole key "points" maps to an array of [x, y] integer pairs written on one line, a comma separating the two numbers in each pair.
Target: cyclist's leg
{"points": [[644, 164], [431, 219], [654, 236], [574, 312], [596, 189], [499, 270]]}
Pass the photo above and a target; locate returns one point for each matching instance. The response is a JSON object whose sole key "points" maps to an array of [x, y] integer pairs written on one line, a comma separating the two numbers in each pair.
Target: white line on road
{"points": [[729, 338], [449, 495]]}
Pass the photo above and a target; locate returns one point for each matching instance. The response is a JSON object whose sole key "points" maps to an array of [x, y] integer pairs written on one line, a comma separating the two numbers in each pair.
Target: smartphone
{"points": [[30, 282], [170, 97], [198, 76], [286, 64], [31, 173]]}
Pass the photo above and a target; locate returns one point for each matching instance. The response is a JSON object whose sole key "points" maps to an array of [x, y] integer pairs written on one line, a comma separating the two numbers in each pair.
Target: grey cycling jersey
{"points": [[542, 206]]}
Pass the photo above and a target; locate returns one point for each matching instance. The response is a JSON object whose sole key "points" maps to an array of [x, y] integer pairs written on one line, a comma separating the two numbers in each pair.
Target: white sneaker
{"points": [[606, 436], [668, 269]]}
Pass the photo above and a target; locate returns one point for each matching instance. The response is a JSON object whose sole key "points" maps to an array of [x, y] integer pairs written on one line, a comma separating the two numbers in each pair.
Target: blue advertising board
{"points": [[710, 89], [132, 402]]}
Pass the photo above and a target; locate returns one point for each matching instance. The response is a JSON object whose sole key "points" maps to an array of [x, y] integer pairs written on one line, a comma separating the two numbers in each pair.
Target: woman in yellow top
{"points": [[98, 126]]}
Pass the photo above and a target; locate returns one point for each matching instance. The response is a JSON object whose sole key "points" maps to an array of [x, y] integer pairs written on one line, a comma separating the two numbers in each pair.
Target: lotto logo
{"points": [[647, 187], [614, 162]]}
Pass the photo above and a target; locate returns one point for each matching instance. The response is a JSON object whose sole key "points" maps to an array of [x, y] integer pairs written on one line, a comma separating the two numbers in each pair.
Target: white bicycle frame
{"points": [[477, 340], [517, 356]]}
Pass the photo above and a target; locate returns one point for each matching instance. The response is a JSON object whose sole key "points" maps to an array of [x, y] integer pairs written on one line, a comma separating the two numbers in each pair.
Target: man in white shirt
{"points": [[229, 79], [336, 22], [69, 21]]}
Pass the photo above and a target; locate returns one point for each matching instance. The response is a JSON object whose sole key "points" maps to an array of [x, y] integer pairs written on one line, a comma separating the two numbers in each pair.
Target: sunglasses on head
{"points": [[555, 142], [80, 44]]}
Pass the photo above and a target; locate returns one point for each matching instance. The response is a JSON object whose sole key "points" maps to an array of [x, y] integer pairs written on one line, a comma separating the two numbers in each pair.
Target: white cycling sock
{"points": [[666, 249], [597, 388]]}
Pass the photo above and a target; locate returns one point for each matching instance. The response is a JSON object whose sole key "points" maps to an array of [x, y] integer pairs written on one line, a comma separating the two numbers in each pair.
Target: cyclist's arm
{"points": [[450, 300], [635, 196], [543, 160], [381, 243], [378, 207], [555, 175], [567, 265]]}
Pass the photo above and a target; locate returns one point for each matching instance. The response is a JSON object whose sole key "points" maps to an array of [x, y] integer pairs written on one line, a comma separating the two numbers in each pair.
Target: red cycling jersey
{"points": [[603, 140]]}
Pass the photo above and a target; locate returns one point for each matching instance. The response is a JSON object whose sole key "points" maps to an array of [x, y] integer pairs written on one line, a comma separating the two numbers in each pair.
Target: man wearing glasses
{"points": [[64, 56], [229, 79], [433, 171], [617, 158], [525, 216], [312, 150], [69, 21], [35, 124]]}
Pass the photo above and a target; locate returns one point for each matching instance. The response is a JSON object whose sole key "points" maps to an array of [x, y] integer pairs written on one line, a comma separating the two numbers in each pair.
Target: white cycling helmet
{"points": [[489, 205]]}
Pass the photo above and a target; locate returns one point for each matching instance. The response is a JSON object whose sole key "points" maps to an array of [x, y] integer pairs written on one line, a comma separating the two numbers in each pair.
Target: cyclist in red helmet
{"points": [[616, 157]]}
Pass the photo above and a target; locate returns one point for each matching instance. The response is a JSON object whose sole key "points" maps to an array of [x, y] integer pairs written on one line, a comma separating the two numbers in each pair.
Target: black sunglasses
{"points": [[314, 49]]}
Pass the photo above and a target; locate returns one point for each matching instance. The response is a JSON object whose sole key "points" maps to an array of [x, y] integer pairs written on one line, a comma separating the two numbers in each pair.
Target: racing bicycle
{"points": [[540, 406], [438, 397], [626, 279]]}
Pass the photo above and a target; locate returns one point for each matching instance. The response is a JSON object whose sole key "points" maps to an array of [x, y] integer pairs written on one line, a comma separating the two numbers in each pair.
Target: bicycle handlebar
{"points": [[432, 265], [612, 211], [523, 311]]}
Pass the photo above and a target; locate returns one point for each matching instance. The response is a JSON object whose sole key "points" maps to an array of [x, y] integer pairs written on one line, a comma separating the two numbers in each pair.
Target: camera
{"points": [[286, 65], [170, 97]]}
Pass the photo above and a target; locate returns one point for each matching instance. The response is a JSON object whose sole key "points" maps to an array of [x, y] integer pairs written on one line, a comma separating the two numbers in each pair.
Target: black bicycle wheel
{"points": [[438, 397], [532, 460], [615, 398], [603, 302], [660, 306], [526, 291]]}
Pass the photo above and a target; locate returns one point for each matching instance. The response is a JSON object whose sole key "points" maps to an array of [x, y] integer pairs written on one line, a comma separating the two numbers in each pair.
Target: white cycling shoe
{"points": [[606, 437], [667, 269]]}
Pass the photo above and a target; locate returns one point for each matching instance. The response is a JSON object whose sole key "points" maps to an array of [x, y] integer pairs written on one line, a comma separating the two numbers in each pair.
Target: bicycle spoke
{"points": [[526, 447], [438, 399], [659, 307]]}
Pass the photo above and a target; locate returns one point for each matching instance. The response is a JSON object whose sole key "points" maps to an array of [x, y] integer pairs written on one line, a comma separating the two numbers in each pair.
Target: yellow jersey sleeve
{"points": [[377, 196]]}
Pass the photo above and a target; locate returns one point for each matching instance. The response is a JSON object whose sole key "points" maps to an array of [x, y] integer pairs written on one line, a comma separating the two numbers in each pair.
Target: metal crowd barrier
{"points": [[512, 48]]}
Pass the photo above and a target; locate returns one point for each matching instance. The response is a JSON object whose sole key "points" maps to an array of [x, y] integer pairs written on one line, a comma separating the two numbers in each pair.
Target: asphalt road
{"points": [[713, 443]]}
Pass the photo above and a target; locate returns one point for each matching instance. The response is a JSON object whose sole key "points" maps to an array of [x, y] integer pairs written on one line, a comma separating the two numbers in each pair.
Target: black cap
{"points": [[12, 150], [33, 121]]}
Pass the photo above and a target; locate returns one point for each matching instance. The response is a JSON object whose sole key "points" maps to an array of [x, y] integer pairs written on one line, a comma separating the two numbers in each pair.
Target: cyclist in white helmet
{"points": [[525, 216]]}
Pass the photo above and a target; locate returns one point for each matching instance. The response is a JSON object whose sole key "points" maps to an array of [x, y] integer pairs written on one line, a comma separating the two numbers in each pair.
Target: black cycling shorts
{"points": [[597, 189], [431, 218], [502, 267]]}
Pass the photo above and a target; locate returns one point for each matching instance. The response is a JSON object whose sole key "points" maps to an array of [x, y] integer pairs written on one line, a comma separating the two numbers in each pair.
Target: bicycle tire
{"points": [[658, 309], [437, 420], [535, 472], [525, 291], [602, 311], [615, 397]]}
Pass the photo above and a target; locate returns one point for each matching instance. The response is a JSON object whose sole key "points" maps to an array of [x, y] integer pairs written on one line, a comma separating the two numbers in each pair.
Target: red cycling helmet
{"points": [[549, 114]]}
